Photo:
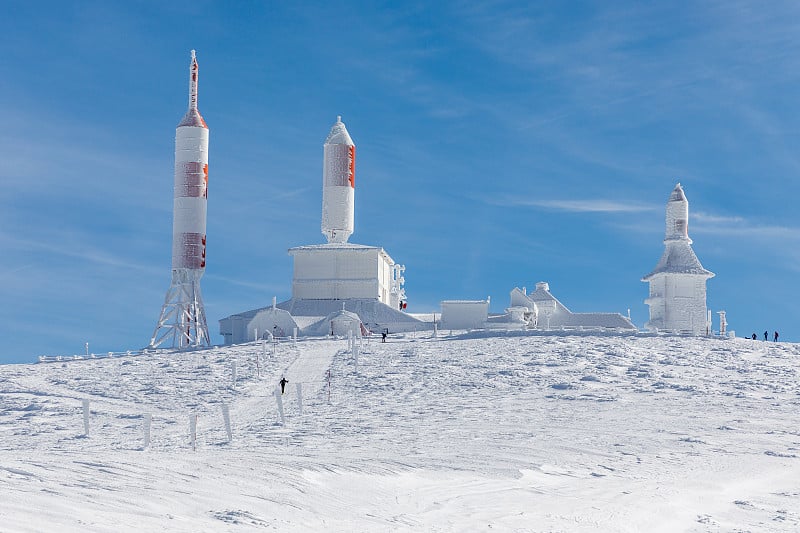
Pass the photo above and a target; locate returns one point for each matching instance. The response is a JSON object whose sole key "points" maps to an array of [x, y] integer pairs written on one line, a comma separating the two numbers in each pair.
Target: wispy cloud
{"points": [[710, 224], [263, 287], [66, 244], [576, 206], [709, 219]]}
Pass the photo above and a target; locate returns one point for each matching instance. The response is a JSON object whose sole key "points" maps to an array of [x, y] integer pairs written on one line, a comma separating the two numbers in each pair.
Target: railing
{"points": [[107, 355]]}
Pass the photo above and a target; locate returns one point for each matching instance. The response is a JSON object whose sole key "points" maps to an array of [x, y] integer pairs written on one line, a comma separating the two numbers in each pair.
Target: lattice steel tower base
{"points": [[182, 323]]}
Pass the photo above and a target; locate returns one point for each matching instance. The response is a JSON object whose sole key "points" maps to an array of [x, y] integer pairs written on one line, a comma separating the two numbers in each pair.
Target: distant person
{"points": [[766, 335], [383, 336], [776, 337], [283, 383], [754, 336]]}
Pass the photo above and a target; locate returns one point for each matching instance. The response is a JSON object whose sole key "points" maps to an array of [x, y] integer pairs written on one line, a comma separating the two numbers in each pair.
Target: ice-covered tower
{"points": [[678, 283], [182, 323], [338, 184]]}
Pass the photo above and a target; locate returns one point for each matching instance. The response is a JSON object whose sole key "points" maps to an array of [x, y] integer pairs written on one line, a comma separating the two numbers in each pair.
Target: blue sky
{"points": [[499, 144]]}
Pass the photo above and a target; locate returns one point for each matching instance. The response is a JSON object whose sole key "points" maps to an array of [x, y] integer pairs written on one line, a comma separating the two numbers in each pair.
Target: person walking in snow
{"points": [[766, 335], [776, 337], [283, 383]]}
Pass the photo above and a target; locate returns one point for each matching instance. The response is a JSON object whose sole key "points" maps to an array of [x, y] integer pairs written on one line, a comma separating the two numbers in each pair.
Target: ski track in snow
{"points": [[502, 433]]}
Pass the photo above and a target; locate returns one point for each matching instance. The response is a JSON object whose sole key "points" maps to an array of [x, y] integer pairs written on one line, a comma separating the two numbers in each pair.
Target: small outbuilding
{"points": [[464, 314], [339, 323], [545, 311], [271, 321]]}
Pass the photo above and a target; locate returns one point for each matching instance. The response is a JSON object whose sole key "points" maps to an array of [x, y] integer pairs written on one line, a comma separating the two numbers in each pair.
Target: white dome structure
{"points": [[271, 321], [340, 323]]}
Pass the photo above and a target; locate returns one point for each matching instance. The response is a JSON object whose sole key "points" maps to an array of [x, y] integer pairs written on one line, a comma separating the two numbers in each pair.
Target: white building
{"points": [[334, 282], [678, 283], [464, 314], [544, 312], [342, 271]]}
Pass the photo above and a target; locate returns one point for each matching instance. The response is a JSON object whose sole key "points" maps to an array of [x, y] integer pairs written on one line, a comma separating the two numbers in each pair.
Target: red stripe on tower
{"points": [[351, 159]]}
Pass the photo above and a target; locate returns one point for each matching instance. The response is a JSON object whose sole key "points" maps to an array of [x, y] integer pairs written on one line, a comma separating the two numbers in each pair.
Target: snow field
{"points": [[523, 433]]}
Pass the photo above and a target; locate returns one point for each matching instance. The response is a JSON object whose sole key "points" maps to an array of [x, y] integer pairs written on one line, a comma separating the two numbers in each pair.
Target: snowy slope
{"points": [[506, 433]]}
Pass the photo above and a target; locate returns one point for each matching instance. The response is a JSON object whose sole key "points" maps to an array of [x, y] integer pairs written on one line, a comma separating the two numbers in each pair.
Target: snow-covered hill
{"points": [[505, 433]]}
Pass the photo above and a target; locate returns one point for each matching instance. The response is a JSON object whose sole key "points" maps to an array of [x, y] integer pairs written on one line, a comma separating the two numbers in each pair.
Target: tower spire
{"points": [[193, 70], [193, 116]]}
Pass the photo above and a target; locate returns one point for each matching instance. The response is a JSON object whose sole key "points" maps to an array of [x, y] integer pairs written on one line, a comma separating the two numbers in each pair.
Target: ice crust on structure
{"points": [[679, 260], [338, 184], [677, 297], [182, 322], [339, 134]]}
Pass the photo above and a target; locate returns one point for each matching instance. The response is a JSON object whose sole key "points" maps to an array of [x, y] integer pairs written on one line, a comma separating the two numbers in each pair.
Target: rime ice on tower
{"points": [[338, 184], [338, 282], [678, 283], [182, 322], [339, 270]]}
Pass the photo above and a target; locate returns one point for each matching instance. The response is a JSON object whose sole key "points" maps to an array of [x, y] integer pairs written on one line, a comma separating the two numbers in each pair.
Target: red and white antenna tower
{"points": [[182, 323], [338, 184]]}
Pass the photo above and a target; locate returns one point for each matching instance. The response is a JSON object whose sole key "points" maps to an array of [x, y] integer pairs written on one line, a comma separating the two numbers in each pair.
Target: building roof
{"points": [[560, 315], [679, 258], [335, 246], [598, 320], [542, 294]]}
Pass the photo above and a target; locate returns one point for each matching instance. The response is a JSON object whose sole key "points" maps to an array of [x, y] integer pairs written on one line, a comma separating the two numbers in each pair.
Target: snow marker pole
{"points": [[85, 417], [233, 373], [148, 420], [279, 400], [300, 397], [193, 431], [226, 418]]}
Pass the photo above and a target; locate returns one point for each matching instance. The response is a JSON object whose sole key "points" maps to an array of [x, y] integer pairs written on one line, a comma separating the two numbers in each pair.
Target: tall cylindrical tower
{"points": [[182, 315], [338, 184]]}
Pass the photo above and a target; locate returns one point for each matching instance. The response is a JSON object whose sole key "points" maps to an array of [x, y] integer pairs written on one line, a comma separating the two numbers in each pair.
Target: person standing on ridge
{"points": [[283, 383], [776, 337], [766, 335]]}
